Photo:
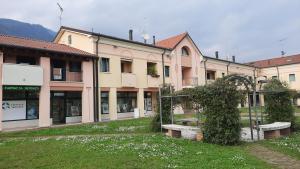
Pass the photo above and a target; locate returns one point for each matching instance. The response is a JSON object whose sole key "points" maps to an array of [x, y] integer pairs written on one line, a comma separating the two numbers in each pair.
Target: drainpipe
{"points": [[96, 114], [163, 66], [277, 72], [205, 70], [228, 68]]}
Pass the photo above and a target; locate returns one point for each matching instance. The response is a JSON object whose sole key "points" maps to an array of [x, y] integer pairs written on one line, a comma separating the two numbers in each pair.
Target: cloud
{"points": [[249, 29]]}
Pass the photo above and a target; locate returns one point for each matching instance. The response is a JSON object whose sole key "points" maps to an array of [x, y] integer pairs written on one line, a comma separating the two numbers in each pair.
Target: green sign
{"points": [[26, 88]]}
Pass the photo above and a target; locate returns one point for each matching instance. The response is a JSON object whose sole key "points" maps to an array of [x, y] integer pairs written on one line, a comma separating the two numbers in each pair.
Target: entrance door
{"points": [[148, 102], [58, 109]]}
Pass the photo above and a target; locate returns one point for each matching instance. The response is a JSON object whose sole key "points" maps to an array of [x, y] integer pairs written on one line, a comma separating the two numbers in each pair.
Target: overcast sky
{"points": [[249, 29]]}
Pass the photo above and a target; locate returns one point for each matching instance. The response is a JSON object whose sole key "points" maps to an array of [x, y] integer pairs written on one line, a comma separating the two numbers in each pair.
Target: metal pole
{"points": [[254, 107], [172, 117], [160, 110], [250, 116]]}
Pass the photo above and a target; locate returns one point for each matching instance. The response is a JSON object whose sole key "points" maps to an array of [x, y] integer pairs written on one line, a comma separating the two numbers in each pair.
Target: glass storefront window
{"points": [[104, 103], [126, 101], [20, 104]]}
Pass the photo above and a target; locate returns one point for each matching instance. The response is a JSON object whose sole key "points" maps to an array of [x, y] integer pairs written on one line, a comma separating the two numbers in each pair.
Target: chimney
{"points": [[233, 58], [130, 34], [153, 40], [217, 54]]}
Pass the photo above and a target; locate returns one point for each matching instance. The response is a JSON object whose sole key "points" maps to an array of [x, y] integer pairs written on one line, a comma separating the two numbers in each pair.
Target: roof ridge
{"points": [[26, 38], [278, 57]]}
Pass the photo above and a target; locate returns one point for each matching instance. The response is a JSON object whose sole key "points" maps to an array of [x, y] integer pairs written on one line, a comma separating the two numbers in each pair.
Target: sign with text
{"points": [[14, 109]]}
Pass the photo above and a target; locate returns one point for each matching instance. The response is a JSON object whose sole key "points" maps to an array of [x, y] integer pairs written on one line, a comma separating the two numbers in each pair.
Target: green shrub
{"points": [[219, 101], [166, 110], [278, 104]]}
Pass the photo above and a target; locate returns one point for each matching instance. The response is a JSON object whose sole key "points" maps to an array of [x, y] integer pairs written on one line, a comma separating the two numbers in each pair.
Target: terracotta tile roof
{"points": [[171, 42], [286, 60], [12, 41]]}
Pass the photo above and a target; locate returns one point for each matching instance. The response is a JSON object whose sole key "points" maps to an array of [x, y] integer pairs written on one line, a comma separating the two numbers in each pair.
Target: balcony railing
{"points": [[62, 74], [128, 79], [153, 81], [21, 74], [187, 82]]}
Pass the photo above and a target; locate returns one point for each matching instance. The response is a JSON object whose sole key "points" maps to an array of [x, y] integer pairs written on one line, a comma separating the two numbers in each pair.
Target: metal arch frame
{"points": [[160, 107], [246, 82]]}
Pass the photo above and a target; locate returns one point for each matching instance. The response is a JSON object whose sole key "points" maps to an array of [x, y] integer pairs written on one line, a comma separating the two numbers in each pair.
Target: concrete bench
{"points": [[187, 132], [275, 130]]}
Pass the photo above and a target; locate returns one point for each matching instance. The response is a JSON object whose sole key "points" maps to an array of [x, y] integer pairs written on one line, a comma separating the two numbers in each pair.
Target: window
{"points": [[75, 66], [70, 39], [104, 103], [292, 77], [58, 70], [126, 101], [223, 74], [210, 75], [167, 71], [274, 77], [104, 65], [126, 66], [73, 103], [151, 69], [184, 51], [20, 104]]}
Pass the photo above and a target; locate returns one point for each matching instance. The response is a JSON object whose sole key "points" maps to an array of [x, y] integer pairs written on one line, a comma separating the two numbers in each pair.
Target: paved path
{"points": [[274, 158]]}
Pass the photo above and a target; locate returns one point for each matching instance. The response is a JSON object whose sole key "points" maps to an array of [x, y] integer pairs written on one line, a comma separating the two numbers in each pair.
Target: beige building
{"points": [[285, 68], [129, 72]]}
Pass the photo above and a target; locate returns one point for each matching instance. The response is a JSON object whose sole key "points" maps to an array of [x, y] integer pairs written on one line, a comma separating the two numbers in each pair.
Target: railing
{"points": [[190, 82], [21, 74], [62, 74], [128, 80], [153, 81], [186, 61]]}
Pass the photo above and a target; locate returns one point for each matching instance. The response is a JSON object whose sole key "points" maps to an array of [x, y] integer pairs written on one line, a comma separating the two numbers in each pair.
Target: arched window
{"points": [[185, 51]]}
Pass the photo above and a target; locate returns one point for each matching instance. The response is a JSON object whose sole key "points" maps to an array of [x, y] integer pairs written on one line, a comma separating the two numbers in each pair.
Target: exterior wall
{"points": [[87, 93], [1, 63], [79, 41], [284, 72], [177, 62], [44, 102]]}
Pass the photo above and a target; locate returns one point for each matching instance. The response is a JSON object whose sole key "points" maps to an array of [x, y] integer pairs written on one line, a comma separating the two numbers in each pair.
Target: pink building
{"points": [[44, 83]]}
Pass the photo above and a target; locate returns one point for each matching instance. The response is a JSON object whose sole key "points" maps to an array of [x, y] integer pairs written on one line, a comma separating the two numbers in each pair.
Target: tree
{"points": [[278, 104]]}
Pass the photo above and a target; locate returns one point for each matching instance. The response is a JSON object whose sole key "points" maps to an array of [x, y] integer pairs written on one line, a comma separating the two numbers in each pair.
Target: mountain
{"points": [[22, 29]]}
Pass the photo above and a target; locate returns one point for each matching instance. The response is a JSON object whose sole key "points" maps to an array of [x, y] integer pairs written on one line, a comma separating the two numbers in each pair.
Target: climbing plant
{"points": [[166, 109], [219, 101], [278, 104]]}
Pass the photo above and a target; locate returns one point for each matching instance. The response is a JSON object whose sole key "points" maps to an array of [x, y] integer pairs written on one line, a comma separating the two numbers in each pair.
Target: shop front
{"points": [[66, 107], [20, 106]]}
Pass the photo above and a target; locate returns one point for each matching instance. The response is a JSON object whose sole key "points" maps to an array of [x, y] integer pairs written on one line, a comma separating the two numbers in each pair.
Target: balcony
{"points": [[62, 74], [186, 61], [153, 81], [128, 80], [21, 74], [190, 82]]}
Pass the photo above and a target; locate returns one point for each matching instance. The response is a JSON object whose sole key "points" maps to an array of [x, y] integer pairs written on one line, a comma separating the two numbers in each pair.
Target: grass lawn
{"points": [[116, 144], [288, 145]]}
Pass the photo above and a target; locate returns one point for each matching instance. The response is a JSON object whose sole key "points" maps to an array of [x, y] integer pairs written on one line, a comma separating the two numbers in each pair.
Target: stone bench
{"points": [[275, 130], [187, 132]]}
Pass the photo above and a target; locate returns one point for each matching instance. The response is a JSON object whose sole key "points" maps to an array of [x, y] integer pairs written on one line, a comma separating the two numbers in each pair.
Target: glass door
{"points": [[58, 108]]}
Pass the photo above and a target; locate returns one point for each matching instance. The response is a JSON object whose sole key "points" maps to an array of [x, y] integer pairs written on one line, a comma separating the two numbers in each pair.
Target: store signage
{"points": [[14, 109], [27, 88]]}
